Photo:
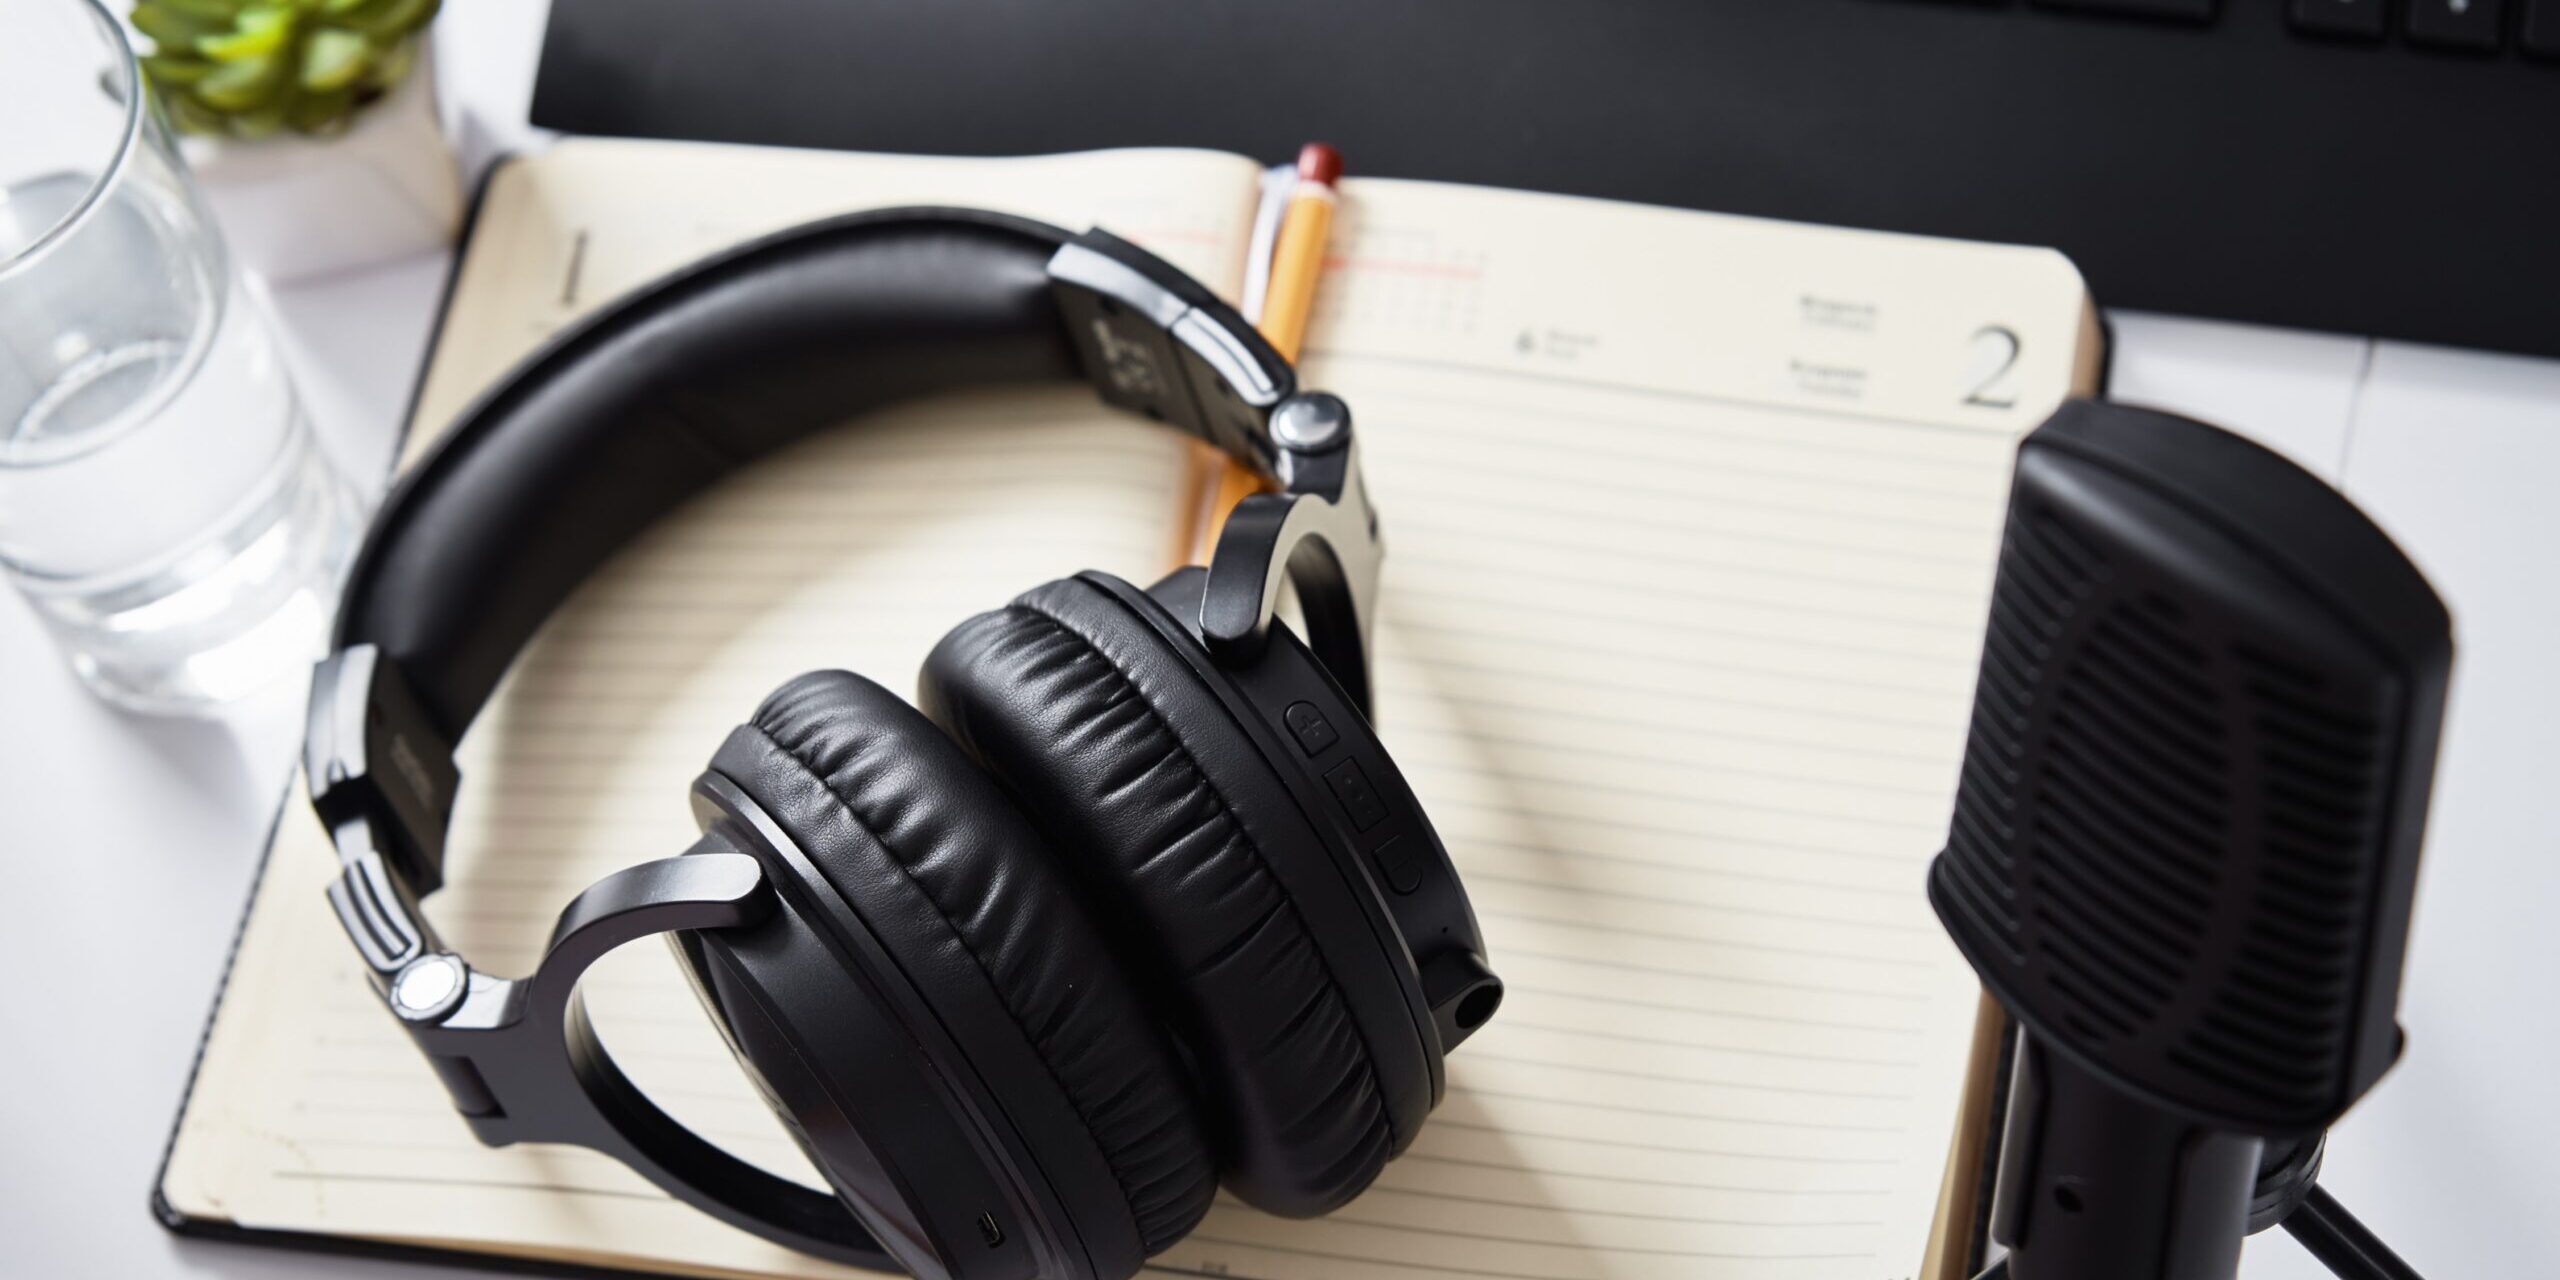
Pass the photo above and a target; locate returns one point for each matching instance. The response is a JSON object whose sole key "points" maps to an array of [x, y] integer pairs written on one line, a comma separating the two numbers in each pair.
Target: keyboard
{"points": [[2385, 167], [2470, 26]]}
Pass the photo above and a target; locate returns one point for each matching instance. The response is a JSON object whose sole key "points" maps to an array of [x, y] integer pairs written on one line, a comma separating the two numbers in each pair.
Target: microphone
{"points": [[2186, 832]]}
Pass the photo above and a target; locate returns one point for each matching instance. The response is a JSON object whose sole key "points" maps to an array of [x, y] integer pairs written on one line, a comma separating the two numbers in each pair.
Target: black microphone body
{"points": [[2096, 1184], [2186, 835]]}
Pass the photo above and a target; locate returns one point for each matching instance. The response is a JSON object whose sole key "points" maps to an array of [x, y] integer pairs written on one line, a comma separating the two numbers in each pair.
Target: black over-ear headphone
{"points": [[1136, 903]]}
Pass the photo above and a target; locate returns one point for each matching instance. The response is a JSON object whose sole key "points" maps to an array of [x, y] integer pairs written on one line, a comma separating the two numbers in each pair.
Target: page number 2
{"points": [[1989, 357]]}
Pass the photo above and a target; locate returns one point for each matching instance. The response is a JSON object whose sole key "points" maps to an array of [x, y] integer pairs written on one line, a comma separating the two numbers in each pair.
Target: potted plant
{"points": [[312, 125]]}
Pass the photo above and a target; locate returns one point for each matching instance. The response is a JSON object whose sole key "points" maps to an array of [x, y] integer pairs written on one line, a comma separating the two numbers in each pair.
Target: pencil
{"points": [[1297, 262]]}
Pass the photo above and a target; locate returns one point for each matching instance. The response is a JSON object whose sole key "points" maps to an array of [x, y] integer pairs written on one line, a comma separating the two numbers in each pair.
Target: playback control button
{"points": [[1308, 726], [1398, 864], [1359, 800]]}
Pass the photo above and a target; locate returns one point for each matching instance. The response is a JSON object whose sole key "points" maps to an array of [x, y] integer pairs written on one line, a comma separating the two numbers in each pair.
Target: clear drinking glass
{"points": [[162, 502]]}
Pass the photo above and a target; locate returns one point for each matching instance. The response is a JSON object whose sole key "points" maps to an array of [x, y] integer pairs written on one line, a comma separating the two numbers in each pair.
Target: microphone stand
{"points": [[2335, 1237], [2289, 1194]]}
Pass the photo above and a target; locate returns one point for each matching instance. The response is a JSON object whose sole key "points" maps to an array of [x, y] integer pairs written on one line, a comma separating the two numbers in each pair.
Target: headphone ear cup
{"points": [[954, 882], [1171, 818]]}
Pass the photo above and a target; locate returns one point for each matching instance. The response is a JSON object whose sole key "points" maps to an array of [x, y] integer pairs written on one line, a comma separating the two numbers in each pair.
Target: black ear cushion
{"points": [[1071, 700], [958, 844]]}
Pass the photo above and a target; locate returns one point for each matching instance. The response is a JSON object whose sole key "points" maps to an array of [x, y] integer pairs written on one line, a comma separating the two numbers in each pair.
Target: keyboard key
{"points": [[2456, 24], [2363, 18], [2542, 28], [2188, 10]]}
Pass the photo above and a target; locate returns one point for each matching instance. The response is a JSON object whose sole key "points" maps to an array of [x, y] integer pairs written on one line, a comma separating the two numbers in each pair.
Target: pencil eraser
{"points": [[1319, 163]]}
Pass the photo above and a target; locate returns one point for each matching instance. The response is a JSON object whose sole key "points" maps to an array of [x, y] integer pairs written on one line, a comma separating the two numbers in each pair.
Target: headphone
{"points": [[1136, 903]]}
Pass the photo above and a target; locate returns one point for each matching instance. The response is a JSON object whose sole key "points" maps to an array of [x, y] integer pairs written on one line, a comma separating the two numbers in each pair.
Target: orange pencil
{"points": [[1297, 262], [1297, 259]]}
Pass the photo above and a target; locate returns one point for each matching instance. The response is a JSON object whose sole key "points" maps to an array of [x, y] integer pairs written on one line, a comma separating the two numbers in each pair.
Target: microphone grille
{"points": [[2177, 816]]}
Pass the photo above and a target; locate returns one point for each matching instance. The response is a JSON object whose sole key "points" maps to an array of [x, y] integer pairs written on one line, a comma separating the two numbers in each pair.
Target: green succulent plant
{"points": [[251, 68]]}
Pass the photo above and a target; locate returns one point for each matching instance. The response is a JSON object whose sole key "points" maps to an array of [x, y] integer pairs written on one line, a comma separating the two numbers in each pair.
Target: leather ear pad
{"points": [[1071, 701], [831, 751]]}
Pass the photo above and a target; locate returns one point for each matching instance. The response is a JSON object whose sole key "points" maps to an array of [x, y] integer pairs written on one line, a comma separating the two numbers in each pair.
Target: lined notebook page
{"points": [[1691, 523], [856, 549]]}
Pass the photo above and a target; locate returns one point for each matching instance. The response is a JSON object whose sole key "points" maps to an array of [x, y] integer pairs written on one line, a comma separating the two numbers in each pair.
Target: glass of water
{"points": [[163, 504]]}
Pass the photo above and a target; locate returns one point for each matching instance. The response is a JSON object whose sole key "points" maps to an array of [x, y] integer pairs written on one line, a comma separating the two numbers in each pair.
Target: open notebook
{"points": [[1691, 524]]}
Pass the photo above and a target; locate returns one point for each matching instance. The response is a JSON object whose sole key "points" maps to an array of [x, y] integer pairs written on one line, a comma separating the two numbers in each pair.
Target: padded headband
{"points": [[624, 417]]}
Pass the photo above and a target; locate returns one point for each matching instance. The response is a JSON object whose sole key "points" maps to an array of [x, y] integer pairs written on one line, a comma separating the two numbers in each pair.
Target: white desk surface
{"points": [[129, 843]]}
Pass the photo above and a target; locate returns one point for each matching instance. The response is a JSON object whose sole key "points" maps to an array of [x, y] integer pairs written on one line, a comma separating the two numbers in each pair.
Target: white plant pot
{"points": [[292, 207]]}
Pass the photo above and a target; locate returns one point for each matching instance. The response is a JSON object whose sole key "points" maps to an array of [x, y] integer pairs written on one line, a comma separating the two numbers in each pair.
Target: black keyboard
{"points": [[2470, 26], [2384, 167]]}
